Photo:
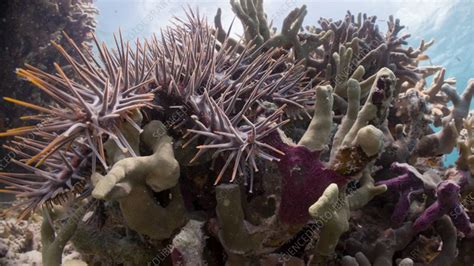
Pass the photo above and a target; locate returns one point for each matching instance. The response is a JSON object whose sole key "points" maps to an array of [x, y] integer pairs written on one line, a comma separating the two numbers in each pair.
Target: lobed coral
{"points": [[195, 148]]}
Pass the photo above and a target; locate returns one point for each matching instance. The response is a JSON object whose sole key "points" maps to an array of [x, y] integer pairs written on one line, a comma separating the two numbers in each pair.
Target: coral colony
{"points": [[196, 148]]}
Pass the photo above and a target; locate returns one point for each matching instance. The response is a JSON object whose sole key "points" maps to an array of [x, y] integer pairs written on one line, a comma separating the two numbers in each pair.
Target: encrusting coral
{"points": [[195, 148]]}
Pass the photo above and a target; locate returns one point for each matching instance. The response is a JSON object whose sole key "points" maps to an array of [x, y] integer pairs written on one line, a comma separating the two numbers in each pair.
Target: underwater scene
{"points": [[237, 132]]}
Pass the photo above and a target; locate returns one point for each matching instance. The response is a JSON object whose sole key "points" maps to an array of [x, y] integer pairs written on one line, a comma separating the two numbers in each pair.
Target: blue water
{"points": [[453, 30], [450, 23]]}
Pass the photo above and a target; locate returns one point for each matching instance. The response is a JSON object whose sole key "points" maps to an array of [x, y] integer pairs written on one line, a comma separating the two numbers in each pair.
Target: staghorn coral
{"points": [[369, 49], [202, 149]]}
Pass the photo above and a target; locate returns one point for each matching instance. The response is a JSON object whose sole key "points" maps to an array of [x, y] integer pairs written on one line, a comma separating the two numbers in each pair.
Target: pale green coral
{"points": [[132, 182], [237, 238], [54, 242], [334, 208], [317, 135]]}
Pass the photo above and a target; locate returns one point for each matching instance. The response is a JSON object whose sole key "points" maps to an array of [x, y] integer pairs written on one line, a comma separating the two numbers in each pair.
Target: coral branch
{"points": [[235, 233], [438, 143], [317, 135], [465, 161], [447, 202], [447, 231], [331, 204], [54, 243], [367, 191], [132, 181], [461, 103], [395, 240]]}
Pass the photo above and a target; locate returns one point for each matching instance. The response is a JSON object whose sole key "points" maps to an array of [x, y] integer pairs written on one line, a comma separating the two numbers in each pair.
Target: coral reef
{"points": [[290, 147], [21, 243]]}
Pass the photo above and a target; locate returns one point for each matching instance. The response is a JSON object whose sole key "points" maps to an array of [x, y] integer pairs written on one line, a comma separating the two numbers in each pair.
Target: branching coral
{"points": [[54, 243], [447, 202], [235, 233], [394, 240], [337, 206], [410, 183], [132, 181], [466, 158], [333, 205], [370, 48], [355, 145], [447, 198], [112, 134], [461, 103]]}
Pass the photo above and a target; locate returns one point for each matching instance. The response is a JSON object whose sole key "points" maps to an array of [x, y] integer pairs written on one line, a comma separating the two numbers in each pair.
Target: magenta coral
{"points": [[447, 202], [305, 178], [206, 181], [406, 184]]}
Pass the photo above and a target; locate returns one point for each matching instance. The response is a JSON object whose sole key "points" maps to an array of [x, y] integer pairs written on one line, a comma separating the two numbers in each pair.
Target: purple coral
{"points": [[447, 202], [305, 178], [406, 184]]}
